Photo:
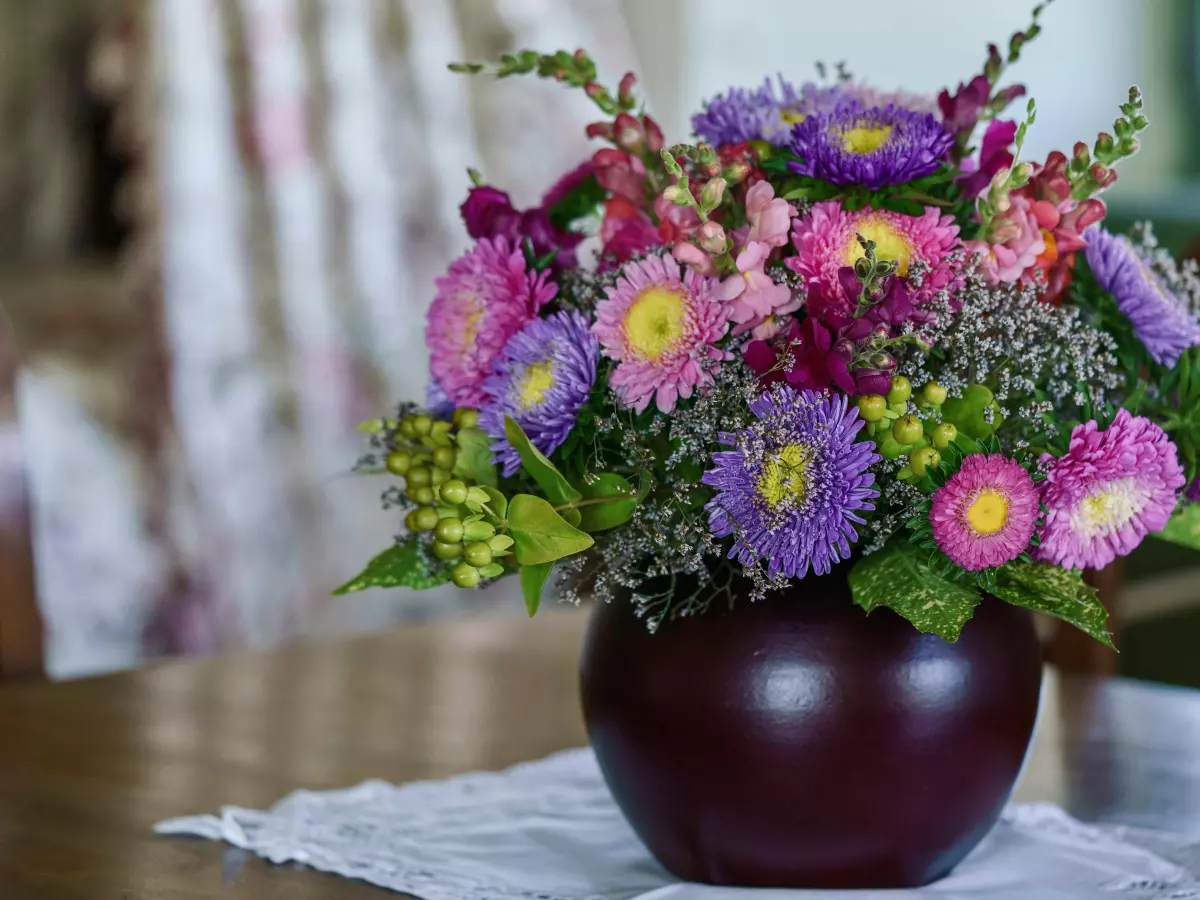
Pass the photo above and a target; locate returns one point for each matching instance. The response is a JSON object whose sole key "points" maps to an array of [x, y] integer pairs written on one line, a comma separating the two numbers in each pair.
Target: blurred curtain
{"points": [[294, 170]]}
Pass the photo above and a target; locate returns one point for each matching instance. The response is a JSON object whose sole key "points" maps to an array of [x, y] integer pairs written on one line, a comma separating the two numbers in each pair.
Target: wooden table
{"points": [[87, 767]]}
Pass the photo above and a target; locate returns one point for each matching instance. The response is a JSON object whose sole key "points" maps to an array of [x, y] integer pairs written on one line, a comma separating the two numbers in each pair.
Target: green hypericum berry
{"points": [[423, 495], [944, 434], [464, 575], [871, 407], [454, 491], [449, 530], [466, 418], [426, 518], [443, 550], [422, 425], [900, 391], [418, 476], [406, 428], [477, 554], [923, 460], [907, 430], [410, 521], [399, 462], [445, 457], [438, 475], [934, 394]]}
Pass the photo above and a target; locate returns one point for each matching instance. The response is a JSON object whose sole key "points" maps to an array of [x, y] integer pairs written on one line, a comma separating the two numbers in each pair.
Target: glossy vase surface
{"points": [[799, 742]]}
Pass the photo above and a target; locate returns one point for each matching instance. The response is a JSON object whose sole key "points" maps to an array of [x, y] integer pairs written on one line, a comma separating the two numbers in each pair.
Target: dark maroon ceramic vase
{"points": [[799, 742]]}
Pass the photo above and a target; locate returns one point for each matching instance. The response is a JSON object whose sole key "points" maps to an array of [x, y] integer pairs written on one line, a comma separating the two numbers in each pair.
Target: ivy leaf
{"points": [[474, 462], [497, 502], [1057, 591], [897, 578], [603, 516], [556, 487], [966, 412], [540, 534], [1183, 528], [580, 201], [401, 565], [491, 570], [533, 581]]}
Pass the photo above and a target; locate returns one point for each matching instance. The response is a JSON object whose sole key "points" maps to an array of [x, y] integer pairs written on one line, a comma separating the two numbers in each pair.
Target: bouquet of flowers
{"points": [[842, 325]]}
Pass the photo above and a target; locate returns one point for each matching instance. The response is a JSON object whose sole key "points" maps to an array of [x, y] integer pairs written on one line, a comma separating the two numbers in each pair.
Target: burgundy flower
{"points": [[488, 212], [816, 361], [620, 173], [625, 231], [993, 156]]}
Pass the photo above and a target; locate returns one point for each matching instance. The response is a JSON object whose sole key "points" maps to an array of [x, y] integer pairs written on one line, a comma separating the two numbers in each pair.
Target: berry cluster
{"points": [[460, 516], [897, 432]]}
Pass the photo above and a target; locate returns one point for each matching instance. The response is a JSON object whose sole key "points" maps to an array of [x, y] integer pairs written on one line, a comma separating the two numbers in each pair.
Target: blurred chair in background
{"points": [[226, 219]]}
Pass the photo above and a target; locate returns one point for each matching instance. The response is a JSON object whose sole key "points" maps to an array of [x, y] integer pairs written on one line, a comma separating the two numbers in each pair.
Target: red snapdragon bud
{"points": [[625, 88], [654, 135], [581, 56], [600, 130], [1082, 156], [593, 90]]}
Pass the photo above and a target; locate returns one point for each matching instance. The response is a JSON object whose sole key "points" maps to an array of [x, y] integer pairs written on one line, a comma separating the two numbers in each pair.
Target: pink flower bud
{"points": [[592, 89], [736, 173], [675, 194], [711, 237], [1081, 152], [581, 56], [1023, 171]]}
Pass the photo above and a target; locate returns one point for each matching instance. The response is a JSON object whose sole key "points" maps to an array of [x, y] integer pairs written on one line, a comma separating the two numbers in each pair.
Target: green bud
{"points": [[449, 530], [477, 554], [454, 491], [443, 550], [399, 462], [465, 576]]}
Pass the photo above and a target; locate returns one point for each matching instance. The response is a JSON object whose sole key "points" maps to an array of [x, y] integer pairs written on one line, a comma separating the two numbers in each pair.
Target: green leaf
{"points": [[897, 578], [540, 534], [500, 542], [474, 461], [477, 530], [1183, 528], [966, 412], [557, 489], [1057, 591], [401, 565], [533, 581], [603, 516], [497, 502], [580, 201], [491, 570]]}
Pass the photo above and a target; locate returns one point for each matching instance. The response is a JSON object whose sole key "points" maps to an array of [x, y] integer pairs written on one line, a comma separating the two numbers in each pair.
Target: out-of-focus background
{"points": [[220, 221]]}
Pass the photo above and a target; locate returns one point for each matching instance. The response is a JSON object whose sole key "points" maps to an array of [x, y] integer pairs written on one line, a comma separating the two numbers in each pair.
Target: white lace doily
{"points": [[549, 830]]}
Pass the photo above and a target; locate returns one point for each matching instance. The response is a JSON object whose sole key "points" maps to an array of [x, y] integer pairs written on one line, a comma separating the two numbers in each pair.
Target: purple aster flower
{"points": [[437, 401], [1160, 320], [873, 147], [741, 114], [542, 377], [1108, 491], [791, 488]]}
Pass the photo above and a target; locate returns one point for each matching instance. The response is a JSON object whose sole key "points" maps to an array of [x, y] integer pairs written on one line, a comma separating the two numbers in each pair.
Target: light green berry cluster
{"points": [[897, 432], [460, 516]]}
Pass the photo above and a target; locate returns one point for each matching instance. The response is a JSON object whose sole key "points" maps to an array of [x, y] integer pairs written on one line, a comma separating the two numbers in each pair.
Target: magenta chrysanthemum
{"points": [[483, 300], [660, 325], [985, 514], [1108, 491], [826, 241]]}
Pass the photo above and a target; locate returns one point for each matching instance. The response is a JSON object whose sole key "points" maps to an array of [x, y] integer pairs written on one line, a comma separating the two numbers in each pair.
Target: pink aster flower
{"points": [[482, 301], [985, 514], [753, 298], [826, 241], [659, 322], [1108, 491]]}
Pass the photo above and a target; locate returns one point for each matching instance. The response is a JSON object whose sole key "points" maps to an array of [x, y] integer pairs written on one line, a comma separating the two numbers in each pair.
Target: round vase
{"points": [[798, 742]]}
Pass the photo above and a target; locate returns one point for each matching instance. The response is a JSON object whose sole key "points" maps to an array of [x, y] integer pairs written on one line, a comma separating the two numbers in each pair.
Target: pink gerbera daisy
{"points": [[660, 325], [985, 514], [483, 300], [826, 241], [1108, 491]]}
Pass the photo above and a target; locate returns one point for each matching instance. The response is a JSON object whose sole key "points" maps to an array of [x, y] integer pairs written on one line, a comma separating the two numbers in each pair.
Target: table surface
{"points": [[87, 767]]}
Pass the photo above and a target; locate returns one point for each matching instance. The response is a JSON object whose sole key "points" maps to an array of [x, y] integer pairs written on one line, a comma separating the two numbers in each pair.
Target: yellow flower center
{"points": [[793, 116], [1109, 508], [890, 243], [654, 322], [533, 384], [988, 512], [785, 475], [865, 138], [473, 304]]}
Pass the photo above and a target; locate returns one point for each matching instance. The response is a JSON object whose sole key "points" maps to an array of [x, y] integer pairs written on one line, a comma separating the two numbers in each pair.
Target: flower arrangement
{"points": [[842, 325]]}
